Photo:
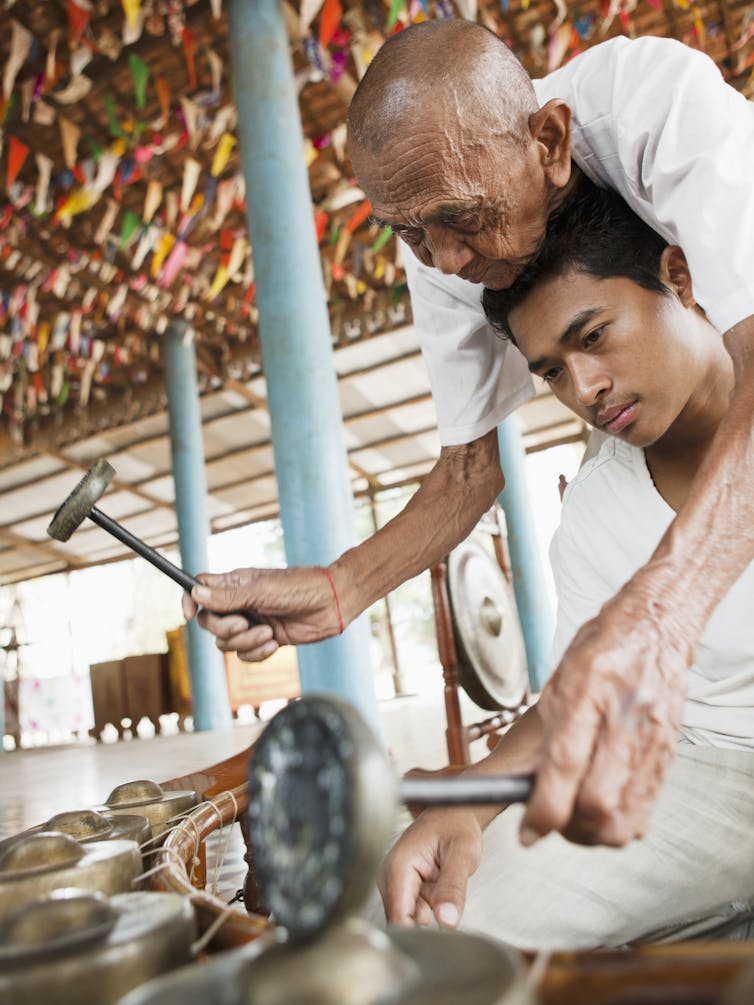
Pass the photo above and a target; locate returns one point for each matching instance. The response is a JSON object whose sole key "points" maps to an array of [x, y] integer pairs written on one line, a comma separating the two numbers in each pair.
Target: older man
{"points": [[466, 159]]}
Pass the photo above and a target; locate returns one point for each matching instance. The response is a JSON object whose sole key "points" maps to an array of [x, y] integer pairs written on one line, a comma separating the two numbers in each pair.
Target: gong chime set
{"points": [[77, 924]]}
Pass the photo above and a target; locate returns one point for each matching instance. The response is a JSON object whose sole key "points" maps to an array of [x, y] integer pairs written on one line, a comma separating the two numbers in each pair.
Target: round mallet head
{"points": [[322, 802], [81, 501]]}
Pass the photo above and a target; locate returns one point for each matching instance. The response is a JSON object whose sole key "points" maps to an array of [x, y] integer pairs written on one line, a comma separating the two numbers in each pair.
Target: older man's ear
{"points": [[550, 128]]}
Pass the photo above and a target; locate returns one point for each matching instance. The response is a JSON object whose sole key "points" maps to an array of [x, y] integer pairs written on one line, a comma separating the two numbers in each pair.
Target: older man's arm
{"points": [[612, 709], [296, 605]]}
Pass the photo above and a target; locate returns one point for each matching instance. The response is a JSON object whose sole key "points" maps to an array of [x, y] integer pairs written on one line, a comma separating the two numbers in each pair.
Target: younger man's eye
{"points": [[552, 374], [593, 336]]}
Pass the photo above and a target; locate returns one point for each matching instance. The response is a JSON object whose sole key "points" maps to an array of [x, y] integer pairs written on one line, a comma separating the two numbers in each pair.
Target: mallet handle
{"points": [[159, 561], [467, 790], [136, 544]]}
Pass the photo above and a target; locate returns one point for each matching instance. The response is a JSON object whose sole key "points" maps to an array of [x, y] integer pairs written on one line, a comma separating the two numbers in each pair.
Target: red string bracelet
{"points": [[335, 595]]}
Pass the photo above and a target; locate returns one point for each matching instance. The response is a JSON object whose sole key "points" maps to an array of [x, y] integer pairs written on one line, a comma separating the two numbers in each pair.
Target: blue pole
{"points": [[294, 328], [209, 689], [533, 604]]}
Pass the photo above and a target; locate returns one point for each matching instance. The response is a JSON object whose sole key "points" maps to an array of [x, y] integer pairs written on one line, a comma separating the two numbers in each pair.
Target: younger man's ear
{"points": [[551, 129], [674, 272]]}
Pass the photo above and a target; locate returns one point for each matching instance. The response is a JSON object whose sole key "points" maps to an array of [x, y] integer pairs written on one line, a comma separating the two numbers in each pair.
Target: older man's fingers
{"points": [[259, 653], [188, 606], [565, 760]]}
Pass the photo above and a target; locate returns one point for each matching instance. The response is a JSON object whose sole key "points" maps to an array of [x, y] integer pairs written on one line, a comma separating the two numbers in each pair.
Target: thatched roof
{"points": [[123, 194]]}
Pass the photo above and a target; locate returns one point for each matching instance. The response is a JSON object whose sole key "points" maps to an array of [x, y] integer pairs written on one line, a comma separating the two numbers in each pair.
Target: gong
{"points": [[490, 653]]}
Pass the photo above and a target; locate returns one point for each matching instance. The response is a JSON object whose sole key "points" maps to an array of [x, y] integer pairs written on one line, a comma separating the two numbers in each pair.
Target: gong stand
{"points": [[459, 736]]}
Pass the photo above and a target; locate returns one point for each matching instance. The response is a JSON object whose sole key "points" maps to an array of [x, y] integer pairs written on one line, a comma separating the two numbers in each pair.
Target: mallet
{"points": [[80, 504]]}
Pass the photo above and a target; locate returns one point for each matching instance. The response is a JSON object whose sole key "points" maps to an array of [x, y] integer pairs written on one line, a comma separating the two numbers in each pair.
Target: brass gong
{"points": [[490, 652]]}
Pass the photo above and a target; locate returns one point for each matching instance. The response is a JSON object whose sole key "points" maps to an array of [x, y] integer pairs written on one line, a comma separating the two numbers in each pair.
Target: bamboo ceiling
{"points": [[123, 202]]}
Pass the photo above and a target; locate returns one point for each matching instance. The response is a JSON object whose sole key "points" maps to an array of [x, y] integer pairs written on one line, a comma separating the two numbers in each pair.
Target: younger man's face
{"points": [[616, 354]]}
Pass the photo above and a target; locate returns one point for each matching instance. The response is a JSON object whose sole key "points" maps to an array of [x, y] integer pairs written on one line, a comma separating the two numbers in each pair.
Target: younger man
{"points": [[606, 315]]}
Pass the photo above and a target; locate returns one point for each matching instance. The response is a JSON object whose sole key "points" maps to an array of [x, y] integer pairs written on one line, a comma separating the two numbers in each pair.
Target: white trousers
{"points": [[692, 874]]}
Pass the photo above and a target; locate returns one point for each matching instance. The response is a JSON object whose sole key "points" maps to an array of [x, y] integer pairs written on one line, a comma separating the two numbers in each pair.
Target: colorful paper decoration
{"points": [[132, 9], [17, 154], [112, 120], [215, 69], [173, 265], [359, 216], [331, 15], [152, 200], [392, 17], [309, 10], [140, 74], [128, 228], [69, 135], [20, 43], [382, 238], [191, 171], [189, 45], [222, 154], [44, 170], [163, 95], [107, 221]]}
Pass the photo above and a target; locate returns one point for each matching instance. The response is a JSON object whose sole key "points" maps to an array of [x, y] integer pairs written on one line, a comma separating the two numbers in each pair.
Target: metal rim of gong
{"points": [[490, 654]]}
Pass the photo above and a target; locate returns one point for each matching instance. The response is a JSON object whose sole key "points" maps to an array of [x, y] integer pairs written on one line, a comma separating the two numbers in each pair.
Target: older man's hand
{"points": [[290, 607], [611, 714]]}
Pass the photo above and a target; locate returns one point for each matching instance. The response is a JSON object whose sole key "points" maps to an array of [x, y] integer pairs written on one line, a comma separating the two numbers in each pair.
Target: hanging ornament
{"points": [[382, 238], [163, 95], [132, 10], [112, 120], [174, 263], [17, 154], [309, 10], [128, 229], [51, 61], [44, 170], [191, 171], [331, 15], [237, 255], [152, 200], [467, 9], [107, 221], [164, 245], [222, 154], [191, 117], [189, 45], [222, 275], [560, 39], [20, 43], [77, 89], [140, 74], [359, 216], [215, 69], [69, 135]]}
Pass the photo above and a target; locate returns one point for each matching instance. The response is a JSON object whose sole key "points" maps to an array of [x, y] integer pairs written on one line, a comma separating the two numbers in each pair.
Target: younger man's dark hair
{"points": [[593, 232]]}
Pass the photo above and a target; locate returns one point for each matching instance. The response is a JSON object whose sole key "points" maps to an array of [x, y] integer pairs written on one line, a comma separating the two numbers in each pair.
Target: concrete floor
{"points": [[37, 783]]}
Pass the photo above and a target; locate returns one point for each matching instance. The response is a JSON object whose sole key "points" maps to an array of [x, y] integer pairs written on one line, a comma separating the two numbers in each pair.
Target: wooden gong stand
{"points": [[459, 736]]}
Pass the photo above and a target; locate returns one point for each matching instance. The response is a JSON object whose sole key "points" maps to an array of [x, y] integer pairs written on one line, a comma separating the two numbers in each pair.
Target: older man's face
{"points": [[465, 204]]}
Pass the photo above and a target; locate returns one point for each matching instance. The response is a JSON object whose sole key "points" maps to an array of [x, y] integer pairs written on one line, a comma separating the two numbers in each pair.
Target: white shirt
{"points": [[654, 120], [612, 520]]}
